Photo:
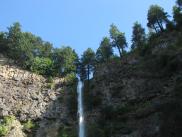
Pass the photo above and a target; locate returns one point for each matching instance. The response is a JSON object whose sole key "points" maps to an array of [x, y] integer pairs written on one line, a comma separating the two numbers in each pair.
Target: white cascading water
{"points": [[80, 110]]}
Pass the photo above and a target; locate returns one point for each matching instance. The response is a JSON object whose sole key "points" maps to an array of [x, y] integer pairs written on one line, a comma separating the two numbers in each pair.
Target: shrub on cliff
{"points": [[29, 125], [42, 66], [67, 132], [5, 125], [3, 130], [70, 79]]}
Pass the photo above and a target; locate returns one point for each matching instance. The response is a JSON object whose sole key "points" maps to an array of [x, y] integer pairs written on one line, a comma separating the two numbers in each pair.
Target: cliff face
{"points": [[132, 100], [28, 96], [23, 93]]}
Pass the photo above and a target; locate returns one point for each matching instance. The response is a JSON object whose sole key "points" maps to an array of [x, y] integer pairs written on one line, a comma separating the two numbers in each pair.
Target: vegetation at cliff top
{"points": [[32, 53], [161, 43]]}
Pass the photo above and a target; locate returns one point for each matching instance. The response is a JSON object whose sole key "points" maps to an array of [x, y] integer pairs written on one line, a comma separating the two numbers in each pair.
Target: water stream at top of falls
{"points": [[80, 110]]}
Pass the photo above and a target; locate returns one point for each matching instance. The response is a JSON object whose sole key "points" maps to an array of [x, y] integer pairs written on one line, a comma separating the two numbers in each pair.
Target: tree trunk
{"points": [[88, 71], [155, 29], [120, 54], [122, 49], [160, 26], [88, 76]]}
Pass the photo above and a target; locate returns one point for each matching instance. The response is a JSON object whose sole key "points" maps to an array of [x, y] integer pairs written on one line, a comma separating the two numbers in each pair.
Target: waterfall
{"points": [[80, 110]]}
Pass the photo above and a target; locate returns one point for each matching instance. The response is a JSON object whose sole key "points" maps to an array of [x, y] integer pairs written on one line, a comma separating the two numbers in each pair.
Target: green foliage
{"points": [[50, 79], [42, 66], [88, 61], [5, 125], [105, 51], [82, 71], [69, 57], [46, 49], [62, 133], [50, 83], [88, 56], [29, 125], [67, 132], [118, 39], [71, 78], [3, 43], [179, 2], [138, 36], [177, 14], [32, 53], [9, 119], [156, 18], [14, 40], [3, 130], [64, 60], [19, 44]]}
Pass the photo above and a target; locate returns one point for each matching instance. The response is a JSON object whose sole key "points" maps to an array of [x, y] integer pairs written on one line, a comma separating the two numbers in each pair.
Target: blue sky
{"points": [[76, 23]]}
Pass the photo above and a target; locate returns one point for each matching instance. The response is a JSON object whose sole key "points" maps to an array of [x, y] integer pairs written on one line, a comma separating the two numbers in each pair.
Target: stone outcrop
{"points": [[25, 95], [128, 101], [12, 72], [29, 96]]}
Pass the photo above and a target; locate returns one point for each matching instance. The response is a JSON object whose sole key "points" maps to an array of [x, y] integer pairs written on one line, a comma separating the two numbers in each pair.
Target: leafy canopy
{"points": [[138, 36], [156, 18], [105, 51], [118, 39]]}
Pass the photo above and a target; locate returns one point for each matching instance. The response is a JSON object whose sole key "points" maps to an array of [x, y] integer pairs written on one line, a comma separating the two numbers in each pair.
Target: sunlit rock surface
{"points": [[29, 96]]}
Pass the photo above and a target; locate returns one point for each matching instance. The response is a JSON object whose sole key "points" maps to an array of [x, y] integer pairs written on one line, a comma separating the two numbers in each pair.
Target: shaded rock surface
{"points": [[130, 101]]}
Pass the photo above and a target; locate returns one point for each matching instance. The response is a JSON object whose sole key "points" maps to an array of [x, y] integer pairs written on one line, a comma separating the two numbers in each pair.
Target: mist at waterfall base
{"points": [[80, 109]]}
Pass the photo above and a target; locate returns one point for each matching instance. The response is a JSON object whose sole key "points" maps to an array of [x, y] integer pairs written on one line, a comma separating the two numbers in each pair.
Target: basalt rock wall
{"points": [[29, 96]]}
